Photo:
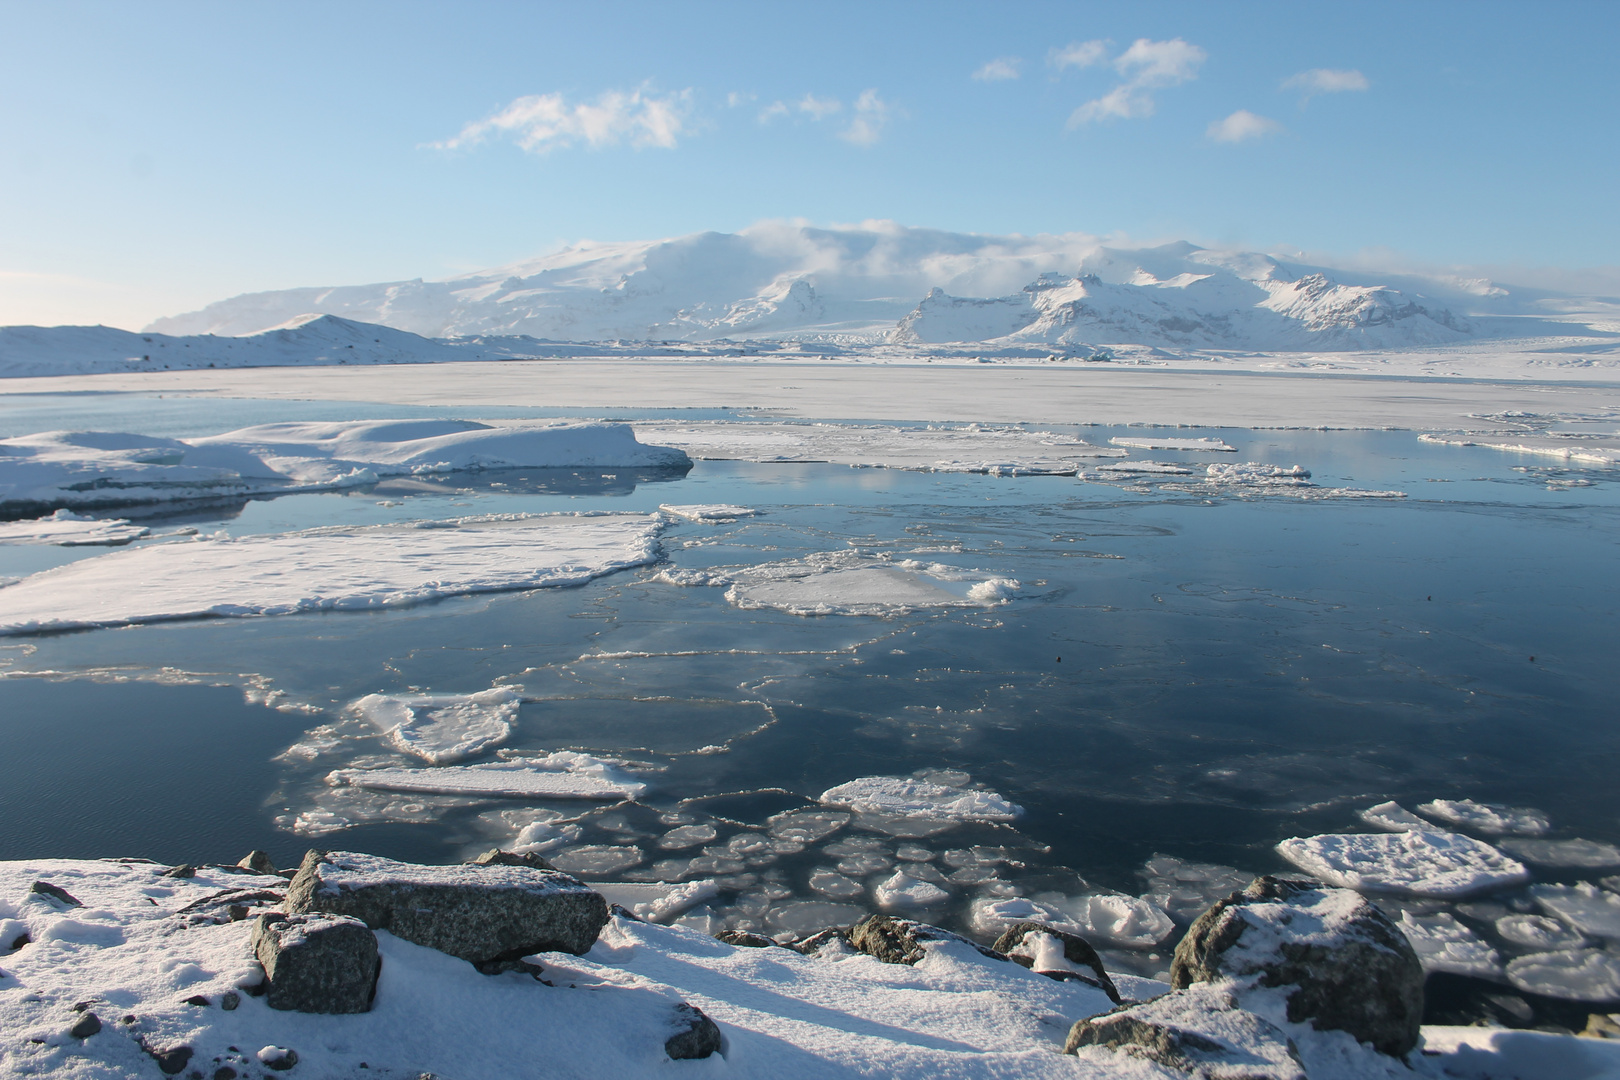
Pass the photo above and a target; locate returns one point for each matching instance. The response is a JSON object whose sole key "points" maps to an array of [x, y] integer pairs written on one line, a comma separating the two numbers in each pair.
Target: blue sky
{"points": [[157, 156]]}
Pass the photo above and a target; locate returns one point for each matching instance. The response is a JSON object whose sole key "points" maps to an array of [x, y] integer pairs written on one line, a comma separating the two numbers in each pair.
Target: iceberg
{"points": [[1415, 863], [443, 728], [330, 569]]}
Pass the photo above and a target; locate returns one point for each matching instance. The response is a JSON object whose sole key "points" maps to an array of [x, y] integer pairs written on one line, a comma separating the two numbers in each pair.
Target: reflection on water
{"points": [[1181, 682]]}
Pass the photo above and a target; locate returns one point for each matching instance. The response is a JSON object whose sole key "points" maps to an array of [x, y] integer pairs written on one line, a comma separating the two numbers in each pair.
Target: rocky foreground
{"points": [[360, 966]]}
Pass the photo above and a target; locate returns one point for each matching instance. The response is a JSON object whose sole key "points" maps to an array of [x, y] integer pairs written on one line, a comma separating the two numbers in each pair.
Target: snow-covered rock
{"points": [[1198, 1032]]}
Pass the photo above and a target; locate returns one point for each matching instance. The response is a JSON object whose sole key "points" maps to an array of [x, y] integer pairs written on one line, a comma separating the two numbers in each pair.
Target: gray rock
{"points": [[85, 1026], [279, 1058], [1200, 1032], [479, 913], [184, 870], [54, 892], [819, 940], [745, 939], [170, 1060], [257, 862], [1344, 965], [497, 857], [696, 1036], [899, 941], [1076, 950], [317, 963]]}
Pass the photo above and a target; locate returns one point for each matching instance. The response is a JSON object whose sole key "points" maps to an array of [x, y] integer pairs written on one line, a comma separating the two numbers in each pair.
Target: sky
{"points": [[155, 157]]}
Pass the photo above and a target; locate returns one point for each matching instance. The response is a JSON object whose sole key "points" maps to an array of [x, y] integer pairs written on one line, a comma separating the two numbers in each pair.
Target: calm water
{"points": [[1180, 676]]}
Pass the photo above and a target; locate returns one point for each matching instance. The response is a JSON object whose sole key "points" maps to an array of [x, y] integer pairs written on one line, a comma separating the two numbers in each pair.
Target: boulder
{"points": [[1022, 944], [497, 857], [696, 1036], [317, 963], [85, 1026], [1342, 963], [54, 892], [899, 941], [483, 914], [1200, 1032], [257, 862], [745, 939]]}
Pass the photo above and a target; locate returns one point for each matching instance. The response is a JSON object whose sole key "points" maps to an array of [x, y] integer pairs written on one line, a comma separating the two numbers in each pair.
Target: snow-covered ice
{"points": [[67, 529], [1172, 442], [1571, 974], [1481, 817], [1585, 907], [901, 890], [1415, 863], [1113, 918], [561, 775], [850, 583], [1538, 932], [708, 512], [910, 797], [656, 901], [1392, 817], [442, 729], [1185, 889], [95, 468], [1605, 452], [338, 568], [1444, 944], [1575, 854]]}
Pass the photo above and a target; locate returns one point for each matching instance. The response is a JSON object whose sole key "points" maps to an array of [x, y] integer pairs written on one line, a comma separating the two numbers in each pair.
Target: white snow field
{"points": [[98, 468], [330, 569], [129, 952], [849, 583]]}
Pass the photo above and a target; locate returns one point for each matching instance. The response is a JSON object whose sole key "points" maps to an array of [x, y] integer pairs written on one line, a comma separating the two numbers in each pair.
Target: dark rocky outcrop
{"points": [[317, 963], [482, 913], [1200, 1032], [85, 1026], [54, 892], [497, 857], [819, 940], [899, 941], [257, 862], [745, 939], [1342, 963], [170, 1060], [1014, 944], [696, 1036]]}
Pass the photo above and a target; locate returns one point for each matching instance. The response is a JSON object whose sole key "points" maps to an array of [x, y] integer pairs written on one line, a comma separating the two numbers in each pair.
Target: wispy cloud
{"points": [[819, 108], [540, 123], [774, 111], [871, 116], [1242, 126], [1325, 81], [1002, 67], [1080, 54], [1145, 67]]}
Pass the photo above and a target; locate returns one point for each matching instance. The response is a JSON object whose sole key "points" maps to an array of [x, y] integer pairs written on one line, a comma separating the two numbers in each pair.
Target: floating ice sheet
{"points": [[1443, 865], [1392, 817], [1186, 889], [563, 775], [901, 890], [915, 798], [1572, 975], [1575, 854], [1172, 442], [1485, 818], [1604, 452], [708, 512], [343, 568], [1538, 932], [1585, 907], [98, 468], [1129, 921], [655, 901], [850, 583], [1444, 944], [67, 529], [443, 728]]}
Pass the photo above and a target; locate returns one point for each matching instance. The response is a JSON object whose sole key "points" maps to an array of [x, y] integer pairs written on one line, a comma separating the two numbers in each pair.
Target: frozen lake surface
{"points": [[1102, 698]]}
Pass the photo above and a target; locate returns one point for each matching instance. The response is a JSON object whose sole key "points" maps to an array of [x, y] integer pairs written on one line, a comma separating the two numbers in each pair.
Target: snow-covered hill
{"points": [[304, 339], [864, 284]]}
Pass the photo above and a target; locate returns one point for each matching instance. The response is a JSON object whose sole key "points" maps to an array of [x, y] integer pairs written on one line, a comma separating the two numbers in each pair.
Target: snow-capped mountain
{"points": [[884, 282]]}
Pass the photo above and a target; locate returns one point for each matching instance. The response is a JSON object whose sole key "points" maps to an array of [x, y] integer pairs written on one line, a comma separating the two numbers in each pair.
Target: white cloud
{"points": [[543, 122], [775, 110], [1080, 54], [819, 108], [1325, 81], [1002, 67], [1146, 66], [736, 98], [871, 115], [1242, 126]]}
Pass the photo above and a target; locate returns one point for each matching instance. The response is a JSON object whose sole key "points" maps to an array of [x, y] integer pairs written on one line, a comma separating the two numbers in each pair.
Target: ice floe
{"points": [[1415, 863], [850, 583], [1570, 974], [443, 728], [1185, 889], [67, 529], [1128, 921], [1166, 468], [1172, 442], [708, 513], [1392, 817], [340, 568], [562, 775], [1485, 818], [1605, 452], [1538, 932], [1575, 854], [655, 901], [1585, 907], [914, 798], [1241, 479], [1444, 944], [901, 890], [96, 468]]}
